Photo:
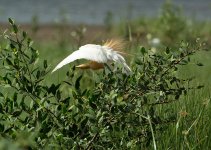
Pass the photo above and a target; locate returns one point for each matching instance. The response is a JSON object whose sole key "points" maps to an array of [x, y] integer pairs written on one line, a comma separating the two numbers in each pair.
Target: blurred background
{"points": [[94, 12], [95, 18]]}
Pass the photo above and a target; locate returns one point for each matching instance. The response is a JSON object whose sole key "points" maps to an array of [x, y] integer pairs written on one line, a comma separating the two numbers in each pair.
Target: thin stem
{"points": [[153, 136]]}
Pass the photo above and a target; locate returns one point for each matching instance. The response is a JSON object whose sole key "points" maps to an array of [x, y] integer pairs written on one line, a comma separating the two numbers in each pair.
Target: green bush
{"points": [[119, 112]]}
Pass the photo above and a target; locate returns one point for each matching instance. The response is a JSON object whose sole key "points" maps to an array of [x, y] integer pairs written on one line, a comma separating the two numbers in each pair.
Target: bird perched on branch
{"points": [[98, 55]]}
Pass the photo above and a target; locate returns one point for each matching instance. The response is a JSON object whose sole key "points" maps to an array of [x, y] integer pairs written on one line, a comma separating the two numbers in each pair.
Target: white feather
{"points": [[98, 53]]}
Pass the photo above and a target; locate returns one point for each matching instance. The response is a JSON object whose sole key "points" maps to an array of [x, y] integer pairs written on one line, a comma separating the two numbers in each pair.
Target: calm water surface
{"points": [[94, 11]]}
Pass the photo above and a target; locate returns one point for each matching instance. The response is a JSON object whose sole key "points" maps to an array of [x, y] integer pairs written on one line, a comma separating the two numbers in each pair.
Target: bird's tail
{"points": [[127, 68], [120, 58], [118, 45]]}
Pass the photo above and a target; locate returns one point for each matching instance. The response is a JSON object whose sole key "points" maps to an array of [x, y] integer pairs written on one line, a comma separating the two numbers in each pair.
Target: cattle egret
{"points": [[97, 55]]}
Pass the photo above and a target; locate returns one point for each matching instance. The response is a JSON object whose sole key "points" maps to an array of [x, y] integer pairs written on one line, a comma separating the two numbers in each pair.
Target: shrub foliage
{"points": [[119, 112]]}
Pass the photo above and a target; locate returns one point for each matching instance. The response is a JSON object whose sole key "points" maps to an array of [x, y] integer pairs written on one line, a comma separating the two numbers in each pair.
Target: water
{"points": [[94, 11]]}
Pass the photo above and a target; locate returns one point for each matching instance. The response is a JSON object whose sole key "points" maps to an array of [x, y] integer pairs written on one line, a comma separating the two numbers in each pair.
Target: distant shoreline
{"points": [[51, 32]]}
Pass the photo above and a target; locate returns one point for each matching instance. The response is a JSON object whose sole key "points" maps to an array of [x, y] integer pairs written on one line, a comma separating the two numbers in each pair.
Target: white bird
{"points": [[98, 55]]}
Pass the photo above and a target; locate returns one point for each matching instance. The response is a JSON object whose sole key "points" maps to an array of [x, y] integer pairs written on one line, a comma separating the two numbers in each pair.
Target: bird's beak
{"points": [[91, 65], [83, 66]]}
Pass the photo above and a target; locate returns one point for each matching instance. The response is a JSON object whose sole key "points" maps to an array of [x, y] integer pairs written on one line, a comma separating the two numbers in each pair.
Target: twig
{"points": [[91, 141]]}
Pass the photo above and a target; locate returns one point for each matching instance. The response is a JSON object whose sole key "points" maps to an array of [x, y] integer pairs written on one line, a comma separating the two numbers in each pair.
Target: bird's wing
{"points": [[120, 59], [89, 52], [72, 57], [94, 52], [114, 51]]}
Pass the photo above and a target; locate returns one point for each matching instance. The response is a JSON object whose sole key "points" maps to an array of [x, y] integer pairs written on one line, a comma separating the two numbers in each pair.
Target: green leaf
{"points": [[66, 100], [200, 86], [184, 62], [199, 64], [143, 50], [138, 62], [167, 50], [1, 95], [12, 46], [15, 96], [31, 105], [1, 108], [15, 28], [91, 116], [67, 83], [24, 34], [11, 21], [38, 74], [77, 82], [45, 64], [58, 95], [74, 94], [34, 55], [1, 128], [16, 113], [177, 96], [53, 89], [29, 42]]}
